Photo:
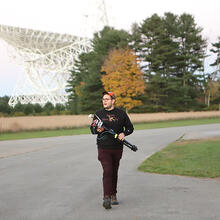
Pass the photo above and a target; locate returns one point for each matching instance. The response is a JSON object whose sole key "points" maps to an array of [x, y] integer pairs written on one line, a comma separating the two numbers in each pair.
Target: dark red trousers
{"points": [[110, 159]]}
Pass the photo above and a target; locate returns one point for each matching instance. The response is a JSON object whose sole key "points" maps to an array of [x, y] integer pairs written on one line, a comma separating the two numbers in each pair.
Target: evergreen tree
{"points": [[213, 81], [172, 50], [28, 109], [216, 50], [37, 108], [18, 107], [48, 108], [191, 58], [4, 106]]}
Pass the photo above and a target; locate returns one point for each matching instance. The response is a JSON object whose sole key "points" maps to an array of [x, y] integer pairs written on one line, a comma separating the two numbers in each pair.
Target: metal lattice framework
{"points": [[47, 58]]}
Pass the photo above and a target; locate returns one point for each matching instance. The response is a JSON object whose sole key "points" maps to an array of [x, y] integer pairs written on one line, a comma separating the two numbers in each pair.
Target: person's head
{"points": [[108, 100]]}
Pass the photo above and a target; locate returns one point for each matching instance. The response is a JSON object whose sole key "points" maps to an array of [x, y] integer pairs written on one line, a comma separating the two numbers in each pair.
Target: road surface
{"points": [[60, 179]]}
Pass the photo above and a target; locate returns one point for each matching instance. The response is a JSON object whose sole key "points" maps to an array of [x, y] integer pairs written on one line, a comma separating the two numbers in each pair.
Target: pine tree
{"points": [[173, 51], [213, 80]]}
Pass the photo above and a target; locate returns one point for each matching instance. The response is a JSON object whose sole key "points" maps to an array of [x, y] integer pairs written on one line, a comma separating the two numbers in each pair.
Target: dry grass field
{"points": [[13, 124]]}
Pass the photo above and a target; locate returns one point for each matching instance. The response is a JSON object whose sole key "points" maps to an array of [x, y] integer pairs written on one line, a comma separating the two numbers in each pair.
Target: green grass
{"points": [[199, 158], [77, 131], [43, 133]]}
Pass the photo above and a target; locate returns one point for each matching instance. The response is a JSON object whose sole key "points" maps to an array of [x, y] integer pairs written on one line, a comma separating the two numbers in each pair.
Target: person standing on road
{"points": [[110, 149]]}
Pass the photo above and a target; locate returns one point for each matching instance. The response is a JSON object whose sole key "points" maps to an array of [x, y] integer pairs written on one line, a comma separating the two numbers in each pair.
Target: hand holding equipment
{"points": [[99, 123]]}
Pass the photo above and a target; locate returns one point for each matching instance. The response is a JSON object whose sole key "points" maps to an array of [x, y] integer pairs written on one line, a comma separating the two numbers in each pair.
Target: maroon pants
{"points": [[109, 159]]}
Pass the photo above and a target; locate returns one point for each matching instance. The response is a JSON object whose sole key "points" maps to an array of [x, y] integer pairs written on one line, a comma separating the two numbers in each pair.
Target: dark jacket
{"points": [[118, 121]]}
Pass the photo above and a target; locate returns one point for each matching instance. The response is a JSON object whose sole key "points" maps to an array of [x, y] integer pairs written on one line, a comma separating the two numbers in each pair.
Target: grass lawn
{"points": [[199, 158], [77, 131], [42, 134]]}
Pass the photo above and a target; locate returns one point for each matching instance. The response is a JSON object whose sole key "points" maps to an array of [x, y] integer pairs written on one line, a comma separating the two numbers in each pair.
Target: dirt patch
{"points": [[68, 121]]}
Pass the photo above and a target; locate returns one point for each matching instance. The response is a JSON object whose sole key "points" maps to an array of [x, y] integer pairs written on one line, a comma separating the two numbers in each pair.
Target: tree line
{"points": [[156, 66], [170, 52], [31, 109]]}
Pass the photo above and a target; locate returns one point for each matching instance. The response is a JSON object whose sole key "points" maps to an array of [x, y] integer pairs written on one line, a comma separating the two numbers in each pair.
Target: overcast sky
{"points": [[79, 17]]}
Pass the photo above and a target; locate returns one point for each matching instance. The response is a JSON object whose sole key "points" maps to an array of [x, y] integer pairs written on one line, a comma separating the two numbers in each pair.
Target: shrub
{"points": [[18, 114]]}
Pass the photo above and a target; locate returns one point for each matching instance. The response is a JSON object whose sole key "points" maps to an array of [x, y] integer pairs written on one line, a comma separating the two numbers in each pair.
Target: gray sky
{"points": [[68, 16]]}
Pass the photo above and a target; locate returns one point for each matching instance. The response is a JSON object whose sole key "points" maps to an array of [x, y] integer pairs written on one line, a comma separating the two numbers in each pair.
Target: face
{"points": [[108, 102]]}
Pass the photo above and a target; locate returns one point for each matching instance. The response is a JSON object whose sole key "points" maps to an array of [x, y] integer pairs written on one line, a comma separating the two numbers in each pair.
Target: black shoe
{"points": [[107, 203], [114, 200]]}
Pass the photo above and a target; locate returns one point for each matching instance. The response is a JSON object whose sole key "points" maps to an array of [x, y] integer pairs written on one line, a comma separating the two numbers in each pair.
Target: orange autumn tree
{"points": [[124, 77]]}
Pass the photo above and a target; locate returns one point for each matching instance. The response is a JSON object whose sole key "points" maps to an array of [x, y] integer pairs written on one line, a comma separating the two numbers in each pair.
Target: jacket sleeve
{"points": [[128, 126], [93, 126]]}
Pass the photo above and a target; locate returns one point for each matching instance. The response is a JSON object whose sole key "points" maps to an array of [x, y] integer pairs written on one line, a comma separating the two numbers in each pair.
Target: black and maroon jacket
{"points": [[118, 121]]}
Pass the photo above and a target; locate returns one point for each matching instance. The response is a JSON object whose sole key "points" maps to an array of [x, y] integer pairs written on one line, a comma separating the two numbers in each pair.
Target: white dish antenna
{"points": [[47, 58]]}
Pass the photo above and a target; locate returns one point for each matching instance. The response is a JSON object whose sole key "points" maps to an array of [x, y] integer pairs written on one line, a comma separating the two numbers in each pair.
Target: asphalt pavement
{"points": [[60, 178]]}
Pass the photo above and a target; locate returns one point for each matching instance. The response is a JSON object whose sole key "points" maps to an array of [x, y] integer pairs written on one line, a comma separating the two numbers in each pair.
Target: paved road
{"points": [[60, 179]]}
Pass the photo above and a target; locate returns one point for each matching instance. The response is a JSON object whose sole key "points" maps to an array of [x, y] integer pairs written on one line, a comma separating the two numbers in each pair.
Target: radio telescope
{"points": [[47, 58]]}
